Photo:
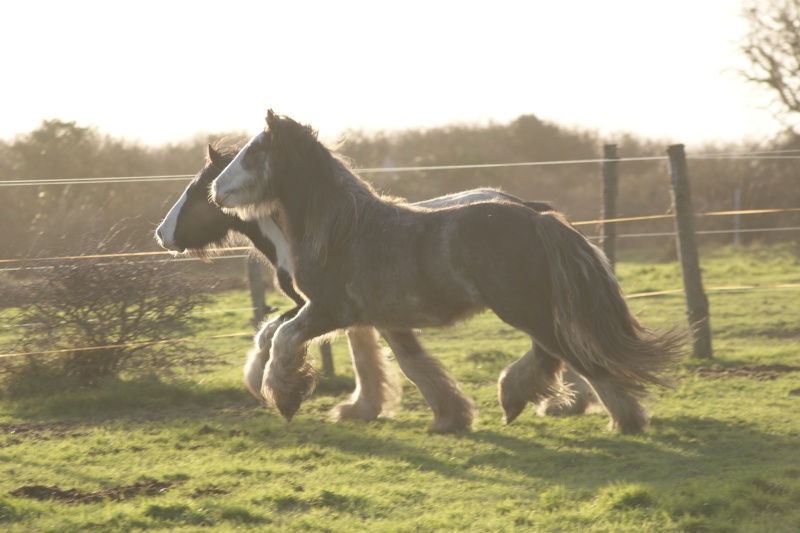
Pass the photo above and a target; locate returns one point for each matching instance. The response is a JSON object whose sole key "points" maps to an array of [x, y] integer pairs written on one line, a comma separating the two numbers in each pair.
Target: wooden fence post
{"points": [[255, 279], [327, 359], [696, 300], [737, 206], [608, 232]]}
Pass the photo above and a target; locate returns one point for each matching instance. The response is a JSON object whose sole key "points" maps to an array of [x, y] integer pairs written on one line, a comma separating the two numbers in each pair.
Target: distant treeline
{"points": [[45, 220]]}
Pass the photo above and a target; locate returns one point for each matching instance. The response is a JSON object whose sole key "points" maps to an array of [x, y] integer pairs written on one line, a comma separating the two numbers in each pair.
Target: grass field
{"points": [[195, 452]]}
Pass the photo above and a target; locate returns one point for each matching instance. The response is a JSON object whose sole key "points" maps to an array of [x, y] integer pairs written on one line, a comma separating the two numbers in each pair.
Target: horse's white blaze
{"points": [[227, 189], [283, 250], [165, 233]]}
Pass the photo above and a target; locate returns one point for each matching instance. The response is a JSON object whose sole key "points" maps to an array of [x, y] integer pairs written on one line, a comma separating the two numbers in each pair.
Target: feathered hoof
{"points": [[548, 408], [287, 402], [450, 425], [511, 412], [511, 401], [287, 394], [630, 425], [566, 405], [355, 410]]}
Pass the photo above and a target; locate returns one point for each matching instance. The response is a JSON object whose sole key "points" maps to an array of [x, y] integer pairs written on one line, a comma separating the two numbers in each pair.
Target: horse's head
{"points": [[246, 181], [195, 224], [249, 185]]}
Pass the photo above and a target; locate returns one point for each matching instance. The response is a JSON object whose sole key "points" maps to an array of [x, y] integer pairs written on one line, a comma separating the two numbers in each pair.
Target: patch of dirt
{"points": [[209, 491], [17, 432], [40, 432], [783, 334], [758, 372], [74, 496]]}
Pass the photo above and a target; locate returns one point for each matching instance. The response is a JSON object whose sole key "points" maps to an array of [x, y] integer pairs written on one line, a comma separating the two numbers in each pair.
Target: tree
{"points": [[772, 49]]}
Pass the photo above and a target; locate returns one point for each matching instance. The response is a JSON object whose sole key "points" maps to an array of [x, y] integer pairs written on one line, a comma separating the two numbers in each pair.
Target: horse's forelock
{"points": [[227, 148]]}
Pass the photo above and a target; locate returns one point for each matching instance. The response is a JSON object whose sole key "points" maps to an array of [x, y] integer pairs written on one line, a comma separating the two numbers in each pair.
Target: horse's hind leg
{"points": [[581, 400], [377, 389], [621, 400], [452, 410], [620, 396], [531, 378]]}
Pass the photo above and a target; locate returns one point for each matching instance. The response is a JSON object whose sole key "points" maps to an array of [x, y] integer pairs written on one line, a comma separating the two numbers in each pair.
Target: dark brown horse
{"points": [[363, 260]]}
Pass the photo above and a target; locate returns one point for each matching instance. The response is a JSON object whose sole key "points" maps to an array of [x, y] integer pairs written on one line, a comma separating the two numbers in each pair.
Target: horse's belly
{"points": [[402, 307]]}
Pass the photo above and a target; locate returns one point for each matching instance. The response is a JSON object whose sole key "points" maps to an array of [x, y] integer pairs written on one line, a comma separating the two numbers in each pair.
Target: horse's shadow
{"points": [[695, 446], [586, 458]]}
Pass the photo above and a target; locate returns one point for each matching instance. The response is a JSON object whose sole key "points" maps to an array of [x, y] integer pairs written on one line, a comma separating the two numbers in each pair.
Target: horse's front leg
{"points": [[377, 389], [453, 411], [262, 345], [288, 377]]}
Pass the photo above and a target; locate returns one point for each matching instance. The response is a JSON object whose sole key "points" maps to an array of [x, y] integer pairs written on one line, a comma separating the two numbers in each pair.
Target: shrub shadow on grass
{"points": [[117, 398]]}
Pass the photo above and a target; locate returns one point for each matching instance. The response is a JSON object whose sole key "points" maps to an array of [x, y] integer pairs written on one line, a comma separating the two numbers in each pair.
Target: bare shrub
{"points": [[88, 319]]}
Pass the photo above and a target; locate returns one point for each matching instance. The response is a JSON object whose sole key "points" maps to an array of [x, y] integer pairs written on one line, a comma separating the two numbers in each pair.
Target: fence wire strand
{"points": [[225, 251], [766, 154], [669, 292]]}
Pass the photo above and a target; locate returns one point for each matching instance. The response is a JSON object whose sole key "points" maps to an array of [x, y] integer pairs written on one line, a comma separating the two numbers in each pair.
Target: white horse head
{"points": [[244, 188]]}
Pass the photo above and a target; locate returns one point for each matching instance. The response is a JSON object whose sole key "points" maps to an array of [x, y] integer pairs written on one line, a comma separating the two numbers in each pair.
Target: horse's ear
{"points": [[215, 158], [272, 119]]}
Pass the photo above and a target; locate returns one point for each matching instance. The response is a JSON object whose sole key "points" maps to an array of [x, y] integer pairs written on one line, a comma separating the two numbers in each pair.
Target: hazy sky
{"points": [[164, 70]]}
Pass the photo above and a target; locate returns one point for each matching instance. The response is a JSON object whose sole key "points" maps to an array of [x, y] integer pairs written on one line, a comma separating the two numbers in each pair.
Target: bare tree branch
{"points": [[772, 49]]}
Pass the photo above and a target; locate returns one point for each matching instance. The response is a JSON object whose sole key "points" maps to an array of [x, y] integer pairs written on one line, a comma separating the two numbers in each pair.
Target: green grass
{"points": [[722, 452]]}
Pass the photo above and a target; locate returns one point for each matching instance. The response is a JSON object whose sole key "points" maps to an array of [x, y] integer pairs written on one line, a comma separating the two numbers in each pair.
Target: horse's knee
{"points": [[263, 339]]}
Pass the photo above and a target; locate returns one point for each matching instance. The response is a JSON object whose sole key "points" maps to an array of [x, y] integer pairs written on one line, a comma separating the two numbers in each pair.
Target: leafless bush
{"points": [[94, 318]]}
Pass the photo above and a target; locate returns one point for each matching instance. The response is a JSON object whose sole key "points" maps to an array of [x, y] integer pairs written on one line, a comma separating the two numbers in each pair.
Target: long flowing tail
{"points": [[593, 324]]}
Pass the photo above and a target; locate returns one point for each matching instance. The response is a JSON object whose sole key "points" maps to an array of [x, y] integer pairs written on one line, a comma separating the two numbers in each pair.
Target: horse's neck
{"points": [[268, 239]]}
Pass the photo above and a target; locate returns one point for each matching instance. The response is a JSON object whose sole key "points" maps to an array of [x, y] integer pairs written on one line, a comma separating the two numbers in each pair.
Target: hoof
{"points": [[563, 406], [629, 425], [287, 394], [288, 406], [354, 411], [510, 413], [444, 427], [512, 404]]}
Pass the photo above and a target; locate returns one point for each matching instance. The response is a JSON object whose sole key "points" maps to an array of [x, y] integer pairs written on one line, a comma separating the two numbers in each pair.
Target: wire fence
{"points": [[671, 292], [234, 252], [225, 253], [766, 155]]}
